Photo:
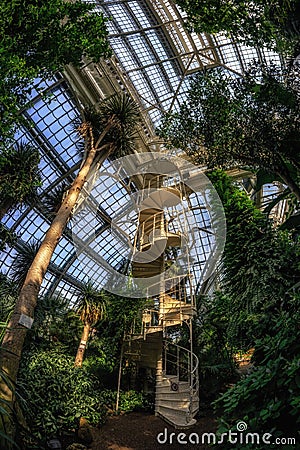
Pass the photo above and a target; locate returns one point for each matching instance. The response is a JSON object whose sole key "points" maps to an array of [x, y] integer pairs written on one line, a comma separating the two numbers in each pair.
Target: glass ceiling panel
{"points": [[157, 55], [146, 34], [33, 226], [53, 121], [62, 252]]}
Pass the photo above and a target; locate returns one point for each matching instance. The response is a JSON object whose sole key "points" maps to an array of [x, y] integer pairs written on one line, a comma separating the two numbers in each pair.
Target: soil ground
{"points": [[139, 431]]}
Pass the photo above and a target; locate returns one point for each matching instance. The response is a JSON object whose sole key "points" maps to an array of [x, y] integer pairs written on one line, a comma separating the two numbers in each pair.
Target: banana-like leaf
{"points": [[276, 200], [291, 223]]}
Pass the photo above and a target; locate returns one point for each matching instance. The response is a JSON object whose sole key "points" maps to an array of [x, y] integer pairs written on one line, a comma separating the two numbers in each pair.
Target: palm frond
{"points": [[122, 109], [19, 174], [23, 261], [123, 112], [91, 303], [52, 200]]}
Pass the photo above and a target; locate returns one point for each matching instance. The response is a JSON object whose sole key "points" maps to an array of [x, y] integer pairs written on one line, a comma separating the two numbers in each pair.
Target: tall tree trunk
{"points": [[82, 345], [15, 334]]}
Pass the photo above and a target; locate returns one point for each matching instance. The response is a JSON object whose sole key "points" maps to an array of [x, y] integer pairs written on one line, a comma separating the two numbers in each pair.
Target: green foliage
{"points": [[121, 314], [268, 399], [91, 303], [39, 38], [7, 416], [212, 346], [55, 324], [7, 237], [8, 296], [103, 351], [274, 23], [101, 360], [261, 275], [23, 261], [123, 113], [260, 263], [128, 401], [19, 176], [57, 394], [53, 199], [251, 121]]}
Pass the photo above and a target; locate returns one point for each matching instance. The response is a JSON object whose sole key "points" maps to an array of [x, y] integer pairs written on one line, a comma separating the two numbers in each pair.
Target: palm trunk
{"points": [[82, 345], [15, 334]]}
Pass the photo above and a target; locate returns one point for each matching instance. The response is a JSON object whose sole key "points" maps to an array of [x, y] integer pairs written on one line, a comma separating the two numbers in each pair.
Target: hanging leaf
{"points": [[291, 223]]}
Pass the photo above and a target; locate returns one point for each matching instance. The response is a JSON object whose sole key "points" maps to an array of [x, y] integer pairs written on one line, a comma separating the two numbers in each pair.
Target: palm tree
{"points": [[19, 176], [91, 307], [107, 130]]}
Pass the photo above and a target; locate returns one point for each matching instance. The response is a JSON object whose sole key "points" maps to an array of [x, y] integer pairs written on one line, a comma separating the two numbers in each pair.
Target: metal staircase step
{"points": [[170, 407], [164, 387], [175, 419], [168, 395]]}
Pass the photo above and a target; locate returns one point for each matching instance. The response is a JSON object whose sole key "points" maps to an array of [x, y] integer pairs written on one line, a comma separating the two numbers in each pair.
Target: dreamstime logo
{"points": [[240, 436], [154, 204], [241, 426]]}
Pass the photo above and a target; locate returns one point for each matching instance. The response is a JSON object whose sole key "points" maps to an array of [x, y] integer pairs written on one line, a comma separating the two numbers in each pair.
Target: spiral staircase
{"points": [[174, 368]]}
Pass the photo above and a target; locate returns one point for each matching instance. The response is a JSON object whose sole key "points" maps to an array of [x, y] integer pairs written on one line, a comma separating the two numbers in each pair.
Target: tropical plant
{"points": [[52, 200], [260, 264], [23, 260], [8, 297], [8, 417], [19, 176], [122, 312], [268, 399], [91, 307], [212, 344], [275, 23], [57, 394], [251, 121], [104, 135], [261, 275], [52, 313], [123, 113], [38, 39], [7, 237], [129, 401]]}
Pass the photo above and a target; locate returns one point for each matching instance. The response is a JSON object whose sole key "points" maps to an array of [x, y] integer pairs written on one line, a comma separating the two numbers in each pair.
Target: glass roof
{"points": [[153, 59]]}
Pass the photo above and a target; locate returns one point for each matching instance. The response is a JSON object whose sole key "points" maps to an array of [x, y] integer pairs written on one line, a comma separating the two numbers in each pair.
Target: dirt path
{"points": [[138, 431]]}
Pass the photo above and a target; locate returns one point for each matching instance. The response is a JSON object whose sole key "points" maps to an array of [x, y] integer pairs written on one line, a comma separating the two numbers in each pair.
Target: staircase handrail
{"points": [[193, 355], [193, 376]]}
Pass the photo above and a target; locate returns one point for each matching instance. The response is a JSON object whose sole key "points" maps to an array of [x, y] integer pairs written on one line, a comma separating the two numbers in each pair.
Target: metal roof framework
{"points": [[154, 57]]}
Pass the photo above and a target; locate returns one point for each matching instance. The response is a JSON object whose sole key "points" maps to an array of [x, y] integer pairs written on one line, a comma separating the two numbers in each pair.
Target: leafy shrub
{"points": [[268, 399], [8, 417], [128, 401], [260, 264], [211, 344], [135, 401], [57, 394]]}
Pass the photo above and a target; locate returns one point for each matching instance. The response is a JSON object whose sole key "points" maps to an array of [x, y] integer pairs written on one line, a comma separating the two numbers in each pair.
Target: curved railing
{"points": [[180, 367]]}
